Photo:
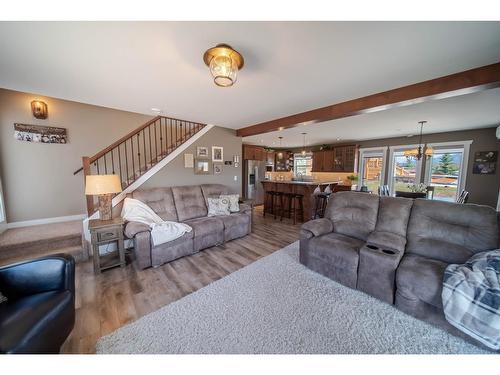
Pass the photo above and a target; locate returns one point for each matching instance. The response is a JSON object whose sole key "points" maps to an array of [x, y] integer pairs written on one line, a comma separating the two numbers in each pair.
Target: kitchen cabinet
{"points": [[254, 153], [338, 159]]}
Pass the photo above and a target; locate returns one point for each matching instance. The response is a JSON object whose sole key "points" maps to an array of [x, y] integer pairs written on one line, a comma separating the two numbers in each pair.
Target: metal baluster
{"points": [[156, 144], [120, 163], [126, 161], [112, 162], [145, 152], [97, 163], [133, 157], [105, 165], [138, 155], [150, 148]]}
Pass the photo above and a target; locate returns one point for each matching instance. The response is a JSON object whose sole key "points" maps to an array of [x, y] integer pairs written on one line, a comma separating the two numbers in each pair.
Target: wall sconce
{"points": [[39, 109]]}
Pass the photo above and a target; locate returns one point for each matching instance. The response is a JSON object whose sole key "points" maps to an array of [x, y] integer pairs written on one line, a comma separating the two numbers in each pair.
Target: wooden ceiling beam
{"points": [[469, 81]]}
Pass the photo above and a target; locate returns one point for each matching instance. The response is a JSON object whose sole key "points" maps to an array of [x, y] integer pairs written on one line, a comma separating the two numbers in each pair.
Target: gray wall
{"points": [[37, 178], [174, 174]]}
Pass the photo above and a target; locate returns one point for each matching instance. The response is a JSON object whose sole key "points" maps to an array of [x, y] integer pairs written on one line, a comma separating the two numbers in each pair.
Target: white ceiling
{"points": [[472, 111], [290, 67]]}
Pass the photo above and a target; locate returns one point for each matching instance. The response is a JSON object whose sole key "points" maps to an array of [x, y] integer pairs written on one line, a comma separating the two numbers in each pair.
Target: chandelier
{"points": [[421, 150], [224, 63], [303, 152]]}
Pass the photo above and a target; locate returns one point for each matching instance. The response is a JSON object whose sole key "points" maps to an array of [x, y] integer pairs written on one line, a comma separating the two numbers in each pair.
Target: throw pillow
{"points": [[218, 206], [2, 298], [234, 205]]}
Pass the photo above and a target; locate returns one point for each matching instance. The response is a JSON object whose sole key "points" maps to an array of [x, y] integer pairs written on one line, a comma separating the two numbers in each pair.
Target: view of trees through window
{"points": [[302, 165], [445, 169]]}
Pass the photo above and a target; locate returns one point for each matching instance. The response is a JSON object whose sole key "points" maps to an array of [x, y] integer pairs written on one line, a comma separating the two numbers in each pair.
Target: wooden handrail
{"points": [[134, 132]]}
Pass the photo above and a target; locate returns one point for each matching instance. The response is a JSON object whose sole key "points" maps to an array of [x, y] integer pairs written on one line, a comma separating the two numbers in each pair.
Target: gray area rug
{"points": [[276, 305]]}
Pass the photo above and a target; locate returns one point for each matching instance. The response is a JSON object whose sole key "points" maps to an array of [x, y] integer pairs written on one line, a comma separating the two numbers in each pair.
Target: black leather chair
{"points": [[39, 313]]}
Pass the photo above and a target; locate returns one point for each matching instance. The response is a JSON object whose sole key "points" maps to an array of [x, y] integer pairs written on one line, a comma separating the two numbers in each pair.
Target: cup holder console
{"points": [[385, 251]]}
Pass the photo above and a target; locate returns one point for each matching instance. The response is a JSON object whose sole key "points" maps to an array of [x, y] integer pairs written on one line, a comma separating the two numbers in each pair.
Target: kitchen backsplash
{"points": [[317, 176]]}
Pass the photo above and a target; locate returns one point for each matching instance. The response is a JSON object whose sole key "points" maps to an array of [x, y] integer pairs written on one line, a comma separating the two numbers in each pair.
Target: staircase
{"points": [[135, 154], [18, 244]]}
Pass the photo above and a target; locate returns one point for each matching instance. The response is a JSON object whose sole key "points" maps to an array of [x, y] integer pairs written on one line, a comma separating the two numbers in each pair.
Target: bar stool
{"points": [[321, 202], [278, 203], [295, 206], [269, 202]]}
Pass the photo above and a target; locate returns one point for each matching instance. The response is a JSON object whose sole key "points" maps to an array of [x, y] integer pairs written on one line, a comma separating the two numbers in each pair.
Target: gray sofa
{"points": [[187, 204], [396, 249]]}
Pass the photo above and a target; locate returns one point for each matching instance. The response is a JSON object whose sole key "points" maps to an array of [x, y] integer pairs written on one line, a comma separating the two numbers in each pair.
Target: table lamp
{"points": [[104, 186]]}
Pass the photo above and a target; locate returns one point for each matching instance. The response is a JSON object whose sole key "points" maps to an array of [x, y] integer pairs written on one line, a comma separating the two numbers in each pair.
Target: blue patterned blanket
{"points": [[471, 297]]}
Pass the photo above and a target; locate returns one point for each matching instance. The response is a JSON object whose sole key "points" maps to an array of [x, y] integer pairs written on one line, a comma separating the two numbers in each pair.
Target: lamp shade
{"points": [[102, 184]]}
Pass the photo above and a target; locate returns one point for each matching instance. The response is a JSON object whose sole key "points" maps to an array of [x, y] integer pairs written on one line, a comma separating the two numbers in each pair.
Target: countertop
{"points": [[312, 183]]}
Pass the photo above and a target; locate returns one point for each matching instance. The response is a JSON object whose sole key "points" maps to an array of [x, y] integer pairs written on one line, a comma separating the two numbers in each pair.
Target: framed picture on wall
{"points": [[202, 166], [485, 162], [217, 168], [217, 154], [202, 152], [188, 161]]}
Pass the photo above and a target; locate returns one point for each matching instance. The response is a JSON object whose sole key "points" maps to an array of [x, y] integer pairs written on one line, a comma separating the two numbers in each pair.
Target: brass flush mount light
{"points": [[39, 109], [224, 63]]}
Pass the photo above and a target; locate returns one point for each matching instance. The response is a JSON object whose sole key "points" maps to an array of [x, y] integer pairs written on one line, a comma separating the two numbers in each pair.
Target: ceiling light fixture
{"points": [[421, 150], [224, 63], [304, 143], [280, 154]]}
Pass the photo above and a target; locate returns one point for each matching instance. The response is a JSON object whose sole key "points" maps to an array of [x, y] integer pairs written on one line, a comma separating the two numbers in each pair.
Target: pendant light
{"points": [[303, 144], [280, 154], [224, 63], [419, 152]]}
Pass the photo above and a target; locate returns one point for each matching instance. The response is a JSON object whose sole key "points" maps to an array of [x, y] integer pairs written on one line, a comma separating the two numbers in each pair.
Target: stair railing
{"points": [[135, 153]]}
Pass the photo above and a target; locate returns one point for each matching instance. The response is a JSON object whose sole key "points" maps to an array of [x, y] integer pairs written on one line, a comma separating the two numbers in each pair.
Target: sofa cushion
{"points": [[421, 277], [213, 190], [204, 226], [235, 225], [160, 200], [353, 214], [451, 232], [336, 249], [189, 202], [393, 215]]}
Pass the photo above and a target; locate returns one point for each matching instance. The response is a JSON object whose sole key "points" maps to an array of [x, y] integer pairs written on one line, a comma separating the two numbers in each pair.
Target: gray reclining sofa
{"points": [[396, 249], [186, 204]]}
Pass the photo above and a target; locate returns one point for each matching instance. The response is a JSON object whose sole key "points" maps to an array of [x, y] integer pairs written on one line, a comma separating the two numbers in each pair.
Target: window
{"points": [[372, 167], [446, 169], [403, 170], [302, 164]]}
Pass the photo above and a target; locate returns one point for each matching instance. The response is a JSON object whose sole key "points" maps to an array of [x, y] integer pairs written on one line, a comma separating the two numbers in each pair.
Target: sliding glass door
{"points": [[372, 168]]}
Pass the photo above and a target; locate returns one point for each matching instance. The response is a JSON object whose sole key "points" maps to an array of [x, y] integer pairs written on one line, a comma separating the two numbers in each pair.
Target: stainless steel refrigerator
{"points": [[256, 171]]}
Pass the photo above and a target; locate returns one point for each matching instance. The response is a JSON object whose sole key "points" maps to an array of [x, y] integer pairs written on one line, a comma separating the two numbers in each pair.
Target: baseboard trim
{"points": [[48, 220]]}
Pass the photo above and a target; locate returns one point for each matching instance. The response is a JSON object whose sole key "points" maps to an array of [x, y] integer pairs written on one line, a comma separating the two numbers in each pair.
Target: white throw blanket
{"points": [[161, 231]]}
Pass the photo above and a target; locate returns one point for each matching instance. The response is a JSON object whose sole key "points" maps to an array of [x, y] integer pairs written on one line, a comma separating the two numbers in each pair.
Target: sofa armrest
{"points": [[134, 227], [245, 208], [317, 227], [50, 273]]}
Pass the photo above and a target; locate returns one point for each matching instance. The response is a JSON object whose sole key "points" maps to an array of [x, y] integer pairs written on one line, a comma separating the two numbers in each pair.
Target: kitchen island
{"points": [[306, 188]]}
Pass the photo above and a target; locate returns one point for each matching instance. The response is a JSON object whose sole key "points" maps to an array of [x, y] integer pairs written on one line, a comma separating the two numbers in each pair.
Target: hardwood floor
{"points": [[119, 296]]}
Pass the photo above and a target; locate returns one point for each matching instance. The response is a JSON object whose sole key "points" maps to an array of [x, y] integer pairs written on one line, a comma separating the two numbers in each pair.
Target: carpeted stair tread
{"points": [[76, 251], [39, 240]]}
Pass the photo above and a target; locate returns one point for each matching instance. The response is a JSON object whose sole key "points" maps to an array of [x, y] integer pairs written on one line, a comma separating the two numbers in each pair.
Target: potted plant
{"points": [[354, 179]]}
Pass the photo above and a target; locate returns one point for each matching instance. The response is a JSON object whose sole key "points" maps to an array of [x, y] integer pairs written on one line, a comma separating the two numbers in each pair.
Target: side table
{"points": [[105, 232]]}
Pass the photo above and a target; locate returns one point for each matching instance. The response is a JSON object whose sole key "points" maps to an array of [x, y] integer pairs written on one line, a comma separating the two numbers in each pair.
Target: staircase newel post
{"points": [[86, 172]]}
